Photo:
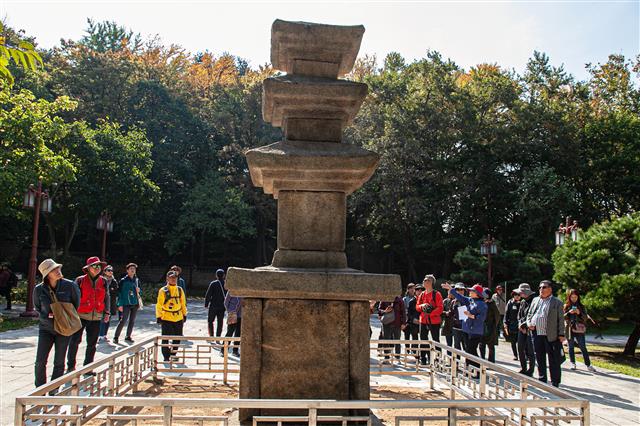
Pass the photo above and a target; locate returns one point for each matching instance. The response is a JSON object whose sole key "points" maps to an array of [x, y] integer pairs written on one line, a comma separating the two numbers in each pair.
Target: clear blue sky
{"points": [[469, 32]]}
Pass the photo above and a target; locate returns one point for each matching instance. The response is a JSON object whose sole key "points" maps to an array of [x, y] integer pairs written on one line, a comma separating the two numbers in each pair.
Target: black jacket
{"points": [[412, 314], [524, 310], [114, 287], [214, 299], [491, 324], [65, 291], [511, 316], [448, 316]]}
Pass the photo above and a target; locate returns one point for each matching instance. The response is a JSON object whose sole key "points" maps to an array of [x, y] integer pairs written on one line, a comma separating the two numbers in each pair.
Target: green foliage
{"points": [[604, 265], [22, 52]]}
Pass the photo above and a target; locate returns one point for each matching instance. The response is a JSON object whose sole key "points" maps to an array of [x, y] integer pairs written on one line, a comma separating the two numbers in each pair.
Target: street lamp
{"points": [[105, 225], [488, 247], [570, 230], [38, 200]]}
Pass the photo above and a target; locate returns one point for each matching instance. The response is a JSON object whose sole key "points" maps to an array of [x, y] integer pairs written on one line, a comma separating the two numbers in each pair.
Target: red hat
{"points": [[478, 289], [92, 261]]}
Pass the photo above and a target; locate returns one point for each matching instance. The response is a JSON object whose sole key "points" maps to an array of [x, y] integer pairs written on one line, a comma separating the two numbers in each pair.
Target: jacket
{"points": [[570, 320], [127, 292], [525, 304], [113, 287], [491, 324], [511, 316], [477, 308], [500, 301], [214, 298], [94, 298], [555, 318], [233, 304], [171, 304], [413, 316], [65, 291], [433, 298], [448, 316], [398, 311]]}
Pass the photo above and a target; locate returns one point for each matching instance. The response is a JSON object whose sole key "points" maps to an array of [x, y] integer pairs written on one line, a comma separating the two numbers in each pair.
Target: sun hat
{"points": [[524, 289], [108, 268], [93, 260], [477, 289], [130, 264], [47, 266], [419, 287], [460, 286]]}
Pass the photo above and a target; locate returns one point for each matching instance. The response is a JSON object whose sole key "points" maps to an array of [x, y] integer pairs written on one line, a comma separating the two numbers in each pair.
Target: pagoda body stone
{"points": [[305, 327]]}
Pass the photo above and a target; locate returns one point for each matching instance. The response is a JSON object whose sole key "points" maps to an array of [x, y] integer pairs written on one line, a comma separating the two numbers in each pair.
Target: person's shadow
{"points": [[604, 398]]}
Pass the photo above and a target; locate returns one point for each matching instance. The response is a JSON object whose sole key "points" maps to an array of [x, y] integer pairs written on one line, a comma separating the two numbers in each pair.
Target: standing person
{"points": [[171, 313], [53, 282], [8, 281], [181, 283], [491, 327], [526, 354], [233, 305], [458, 334], [510, 322], [476, 314], [500, 299], [93, 310], [214, 300], [392, 329], [413, 319], [411, 328], [575, 317], [545, 320], [112, 286], [447, 318], [128, 302], [430, 307]]}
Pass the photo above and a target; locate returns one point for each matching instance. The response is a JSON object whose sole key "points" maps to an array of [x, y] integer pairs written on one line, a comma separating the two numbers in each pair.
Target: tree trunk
{"points": [[202, 243], [632, 342], [69, 236], [52, 234], [411, 259]]}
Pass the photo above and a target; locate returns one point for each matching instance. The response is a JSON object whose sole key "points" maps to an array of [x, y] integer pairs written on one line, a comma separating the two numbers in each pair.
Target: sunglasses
{"points": [[544, 286], [98, 266]]}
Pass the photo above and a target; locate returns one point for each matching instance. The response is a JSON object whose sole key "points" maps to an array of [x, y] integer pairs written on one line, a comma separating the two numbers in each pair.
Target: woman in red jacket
{"points": [[430, 306]]}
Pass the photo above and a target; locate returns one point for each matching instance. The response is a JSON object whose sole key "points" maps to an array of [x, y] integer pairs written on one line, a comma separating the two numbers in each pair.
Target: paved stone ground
{"points": [[615, 397]]}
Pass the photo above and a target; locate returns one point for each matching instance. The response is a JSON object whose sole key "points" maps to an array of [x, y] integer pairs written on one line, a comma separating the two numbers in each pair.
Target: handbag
{"points": [[388, 318], [140, 304], [65, 316], [579, 328], [232, 318]]}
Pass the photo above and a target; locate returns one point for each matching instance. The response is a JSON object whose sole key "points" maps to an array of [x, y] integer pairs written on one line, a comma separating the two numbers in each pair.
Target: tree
{"points": [[604, 265], [22, 52]]}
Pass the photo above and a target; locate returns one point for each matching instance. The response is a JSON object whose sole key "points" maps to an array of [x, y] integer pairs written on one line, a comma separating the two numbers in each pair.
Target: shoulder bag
{"points": [[65, 316]]}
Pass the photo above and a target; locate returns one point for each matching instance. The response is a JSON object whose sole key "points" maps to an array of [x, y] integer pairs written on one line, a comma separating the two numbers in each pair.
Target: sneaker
{"points": [[115, 341], [128, 339], [591, 368], [572, 365]]}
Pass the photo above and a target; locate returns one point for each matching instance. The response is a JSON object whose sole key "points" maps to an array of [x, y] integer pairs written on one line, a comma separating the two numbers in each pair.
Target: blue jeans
{"points": [[579, 339], [104, 326]]}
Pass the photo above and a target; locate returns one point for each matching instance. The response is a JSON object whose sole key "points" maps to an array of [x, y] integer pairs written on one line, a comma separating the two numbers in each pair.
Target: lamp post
{"points": [[38, 200], [570, 229], [105, 225], [488, 247]]}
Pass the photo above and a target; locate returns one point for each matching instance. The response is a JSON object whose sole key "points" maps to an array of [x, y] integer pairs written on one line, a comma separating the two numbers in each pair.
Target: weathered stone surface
{"points": [[312, 129], [313, 259], [251, 348], [289, 283], [311, 220], [310, 358], [359, 350], [314, 49], [310, 166], [293, 96]]}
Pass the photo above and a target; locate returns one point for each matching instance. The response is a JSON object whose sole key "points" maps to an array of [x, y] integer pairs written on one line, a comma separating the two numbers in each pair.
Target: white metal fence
{"points": [[478, 391]]}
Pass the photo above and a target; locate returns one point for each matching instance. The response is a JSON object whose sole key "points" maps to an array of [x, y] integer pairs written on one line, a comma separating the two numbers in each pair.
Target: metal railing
{"points": [[494, 393]]}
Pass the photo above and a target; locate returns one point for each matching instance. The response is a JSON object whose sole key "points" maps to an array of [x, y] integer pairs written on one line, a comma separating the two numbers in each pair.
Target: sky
{"points": [[572, 33]]}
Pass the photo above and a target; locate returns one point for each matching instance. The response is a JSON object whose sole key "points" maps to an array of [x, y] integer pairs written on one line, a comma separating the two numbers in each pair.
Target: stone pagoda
{"points": [[305, 319]]}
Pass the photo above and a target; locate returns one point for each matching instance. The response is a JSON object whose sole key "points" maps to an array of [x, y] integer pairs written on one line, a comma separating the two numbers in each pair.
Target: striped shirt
{"points": [[540, 316]]}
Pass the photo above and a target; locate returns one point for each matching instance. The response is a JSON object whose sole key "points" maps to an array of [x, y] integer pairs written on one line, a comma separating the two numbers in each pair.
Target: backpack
{"points": [[168, 296]]}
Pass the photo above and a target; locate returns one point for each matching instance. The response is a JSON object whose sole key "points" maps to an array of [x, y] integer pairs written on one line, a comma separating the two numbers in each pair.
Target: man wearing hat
{"points": [[128, 302], [94, 308], [525, 345], [214, 300], [171, 312], [181, 283], [112, 285], [413, 321]]}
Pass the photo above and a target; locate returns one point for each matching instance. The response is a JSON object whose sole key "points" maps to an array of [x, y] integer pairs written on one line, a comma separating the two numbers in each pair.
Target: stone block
{"points": [[293, 96], [251, 349], [311, 220], [289, 283], [312, 129], [314, 49], [359, 351], [309, 358], [309, 259], [310, 166]]}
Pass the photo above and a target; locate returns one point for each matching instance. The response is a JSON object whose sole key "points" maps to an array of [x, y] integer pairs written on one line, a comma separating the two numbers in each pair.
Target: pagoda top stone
{"points": [[317, 50]]}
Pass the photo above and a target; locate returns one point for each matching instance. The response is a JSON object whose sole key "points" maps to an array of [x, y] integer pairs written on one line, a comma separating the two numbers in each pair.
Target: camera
{"points": [[427, 308]]}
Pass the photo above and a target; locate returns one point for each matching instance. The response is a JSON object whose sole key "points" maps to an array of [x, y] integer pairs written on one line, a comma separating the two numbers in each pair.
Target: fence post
{"points": [[168, 414], [453, 417], [75, 392], [313, 417], [454, 374], [225, 360], [523, 395], [155, 360], [18, 418], [586, 414], [136, 371]]}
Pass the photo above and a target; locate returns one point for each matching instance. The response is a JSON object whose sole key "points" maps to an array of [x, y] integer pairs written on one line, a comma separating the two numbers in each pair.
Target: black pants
{"points": [[6, 292], [425, 329], [212, 316], [472, 341], [483, 351], [458, 339], [514, 347], [93, 329], [551, 350], [411, 332], [390, 332], [170, 328], [129, 313], [526, 354], [233, 330], [47, 340]]}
